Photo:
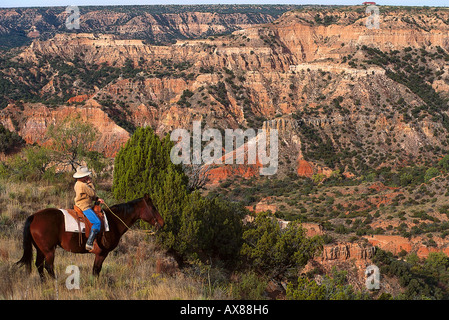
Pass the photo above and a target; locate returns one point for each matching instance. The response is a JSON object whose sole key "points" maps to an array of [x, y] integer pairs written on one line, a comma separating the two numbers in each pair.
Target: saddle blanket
{"points": [[72, 226]]}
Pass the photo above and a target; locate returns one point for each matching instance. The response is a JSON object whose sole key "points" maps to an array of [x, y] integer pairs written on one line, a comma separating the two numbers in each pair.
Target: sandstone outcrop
{"points": [[264, 206], [397, 244], [313, 229], [35, 120], [78, 99], [346, 251]]}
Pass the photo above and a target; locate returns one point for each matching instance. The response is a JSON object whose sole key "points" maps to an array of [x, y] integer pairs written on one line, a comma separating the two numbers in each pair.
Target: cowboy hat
{"points": [[81, 172]]}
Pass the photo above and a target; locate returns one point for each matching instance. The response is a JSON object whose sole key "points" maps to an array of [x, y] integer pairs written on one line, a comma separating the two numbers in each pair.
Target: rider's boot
{"points": [[90, 239]]}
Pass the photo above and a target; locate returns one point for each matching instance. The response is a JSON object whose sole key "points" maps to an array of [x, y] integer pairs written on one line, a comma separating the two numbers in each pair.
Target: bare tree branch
{"points": [[198, 175]]}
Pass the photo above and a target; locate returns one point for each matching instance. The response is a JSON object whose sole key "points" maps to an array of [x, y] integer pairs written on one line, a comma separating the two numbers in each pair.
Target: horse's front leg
{"points": [[99, 258]]}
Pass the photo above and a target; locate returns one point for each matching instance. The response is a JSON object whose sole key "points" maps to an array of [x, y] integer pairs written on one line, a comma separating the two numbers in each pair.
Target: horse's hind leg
{"points": [[45, 259], [49, 259], [45, 232], [40, 262]]}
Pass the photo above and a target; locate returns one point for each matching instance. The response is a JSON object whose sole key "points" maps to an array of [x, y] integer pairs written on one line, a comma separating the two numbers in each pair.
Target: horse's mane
{"points": [[126, 207]]}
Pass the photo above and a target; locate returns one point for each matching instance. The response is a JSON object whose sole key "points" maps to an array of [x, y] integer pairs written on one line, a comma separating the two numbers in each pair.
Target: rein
{"points": [[143, 231]]}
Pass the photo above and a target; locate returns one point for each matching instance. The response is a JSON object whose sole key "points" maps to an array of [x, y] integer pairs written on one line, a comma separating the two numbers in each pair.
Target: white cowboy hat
{"points": [[81, 172]]}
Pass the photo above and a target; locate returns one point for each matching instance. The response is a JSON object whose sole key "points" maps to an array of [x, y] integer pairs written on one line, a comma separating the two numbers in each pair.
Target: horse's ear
{"points": [[146, 197]]}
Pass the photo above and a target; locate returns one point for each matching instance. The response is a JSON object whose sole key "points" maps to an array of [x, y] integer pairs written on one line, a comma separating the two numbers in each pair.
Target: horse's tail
{"points": [[27, 245]]}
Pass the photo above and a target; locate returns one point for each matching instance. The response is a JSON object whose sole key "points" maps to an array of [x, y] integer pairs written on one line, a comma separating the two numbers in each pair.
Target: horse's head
{"points": [[150, 214]]}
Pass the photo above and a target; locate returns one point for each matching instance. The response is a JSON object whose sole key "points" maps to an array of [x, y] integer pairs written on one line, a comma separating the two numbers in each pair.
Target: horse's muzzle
{"points": [[158, 226]]}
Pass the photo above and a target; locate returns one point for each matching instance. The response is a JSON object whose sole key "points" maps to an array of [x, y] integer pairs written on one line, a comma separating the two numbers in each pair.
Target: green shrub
{"points": [[268, 248], [9, 140], [420, 279], [250, 286], [31, 164], [195, 226], [431, 173], [444, 163], [334, 287]]}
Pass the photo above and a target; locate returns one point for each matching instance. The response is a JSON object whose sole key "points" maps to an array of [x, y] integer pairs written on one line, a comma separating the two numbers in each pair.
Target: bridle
{"points": [[150, 232]]}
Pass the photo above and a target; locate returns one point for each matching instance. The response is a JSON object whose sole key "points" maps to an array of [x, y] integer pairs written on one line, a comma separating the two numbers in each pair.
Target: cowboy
{"points": [[85, 196]]}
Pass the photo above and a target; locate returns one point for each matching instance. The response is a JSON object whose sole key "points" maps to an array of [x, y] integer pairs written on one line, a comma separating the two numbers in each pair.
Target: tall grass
{"points": [[131, 273], [136, 269]]}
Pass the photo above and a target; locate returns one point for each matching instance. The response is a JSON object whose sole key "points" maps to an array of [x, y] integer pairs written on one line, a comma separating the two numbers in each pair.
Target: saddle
{"points": [[79, 216]]}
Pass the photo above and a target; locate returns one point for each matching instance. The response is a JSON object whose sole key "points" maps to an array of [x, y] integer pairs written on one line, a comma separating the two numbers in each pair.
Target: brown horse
{"points": [[45, 230]]}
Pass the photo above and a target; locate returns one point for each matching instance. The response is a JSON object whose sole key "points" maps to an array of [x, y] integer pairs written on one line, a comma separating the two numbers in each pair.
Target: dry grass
{"points": [[134, 270], [129, 274]]}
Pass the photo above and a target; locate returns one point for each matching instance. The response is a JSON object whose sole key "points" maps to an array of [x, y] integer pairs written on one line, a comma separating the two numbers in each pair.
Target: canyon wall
{"points": [[285, 74], [35, 121]]}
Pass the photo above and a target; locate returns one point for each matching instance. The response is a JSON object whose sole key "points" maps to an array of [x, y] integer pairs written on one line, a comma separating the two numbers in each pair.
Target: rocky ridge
{"points": [[291, 71], [154, 24]]}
